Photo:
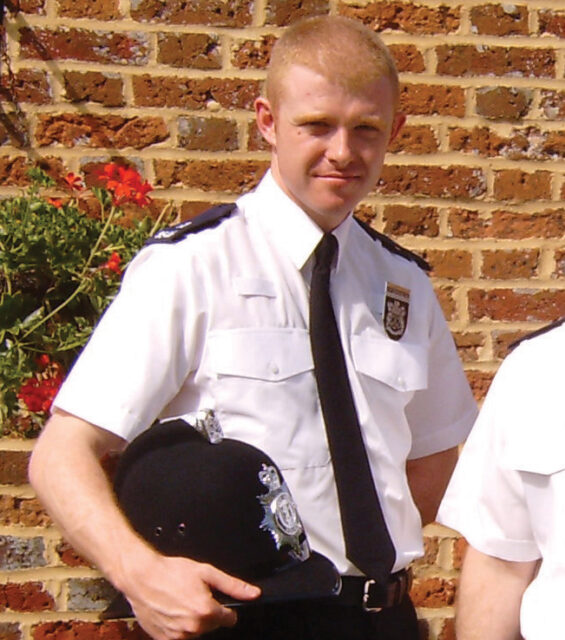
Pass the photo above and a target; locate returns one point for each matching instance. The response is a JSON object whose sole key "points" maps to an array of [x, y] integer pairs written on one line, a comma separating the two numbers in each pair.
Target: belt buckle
{"points": [[366, 595]]}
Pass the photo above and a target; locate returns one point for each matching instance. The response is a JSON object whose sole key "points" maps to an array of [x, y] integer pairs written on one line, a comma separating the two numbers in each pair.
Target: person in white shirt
{"points": [[506, 497], [214, 315]]}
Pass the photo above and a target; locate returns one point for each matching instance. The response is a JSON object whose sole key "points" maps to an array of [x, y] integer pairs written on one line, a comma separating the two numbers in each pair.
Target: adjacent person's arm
{"points": [[428, 478], [171, 597], [489, 597]]}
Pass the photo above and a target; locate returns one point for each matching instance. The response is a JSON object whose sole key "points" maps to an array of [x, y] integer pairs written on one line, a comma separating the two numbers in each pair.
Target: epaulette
{"points": [[206, 220], [393, 246], [538, 332]]}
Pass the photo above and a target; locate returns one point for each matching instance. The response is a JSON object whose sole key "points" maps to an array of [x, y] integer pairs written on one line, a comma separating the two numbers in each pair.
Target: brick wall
{"points": [[475, 183]]}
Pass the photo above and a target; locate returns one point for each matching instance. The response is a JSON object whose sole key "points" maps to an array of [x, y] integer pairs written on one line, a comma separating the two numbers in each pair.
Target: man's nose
{"points": [[340, 147]]}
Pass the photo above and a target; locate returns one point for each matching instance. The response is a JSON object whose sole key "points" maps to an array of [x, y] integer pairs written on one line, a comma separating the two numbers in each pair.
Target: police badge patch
{"points": [[281, 515], [395, 316]]}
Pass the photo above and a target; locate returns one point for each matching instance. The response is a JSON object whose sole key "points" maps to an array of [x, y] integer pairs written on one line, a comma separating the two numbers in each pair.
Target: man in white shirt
{"points": [[506, 497], [216, 317]]}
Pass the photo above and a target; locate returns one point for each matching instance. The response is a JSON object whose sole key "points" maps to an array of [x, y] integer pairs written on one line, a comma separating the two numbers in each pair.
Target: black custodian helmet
{"points": [[223, 502]]}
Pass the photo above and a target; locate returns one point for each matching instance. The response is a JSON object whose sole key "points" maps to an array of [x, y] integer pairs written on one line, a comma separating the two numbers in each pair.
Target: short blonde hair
{"points": [[341, 49]]}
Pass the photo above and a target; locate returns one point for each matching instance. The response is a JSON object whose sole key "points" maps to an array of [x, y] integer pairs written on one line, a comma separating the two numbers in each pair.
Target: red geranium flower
{"points": [[56, 202], [125, 184], [113, 263], [74, 182], [38, 392]]}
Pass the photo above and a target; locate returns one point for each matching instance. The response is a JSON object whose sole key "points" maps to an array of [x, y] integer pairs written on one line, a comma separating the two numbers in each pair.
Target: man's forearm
{"points": [[489, 597]]}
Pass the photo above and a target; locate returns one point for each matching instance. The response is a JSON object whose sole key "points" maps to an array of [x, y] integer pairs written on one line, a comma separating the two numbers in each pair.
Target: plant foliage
{"points": [[59, 270]]}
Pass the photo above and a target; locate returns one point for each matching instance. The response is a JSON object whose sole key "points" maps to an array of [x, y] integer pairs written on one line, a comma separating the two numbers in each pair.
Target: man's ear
{"points": [[397, 124], [265, 120]]}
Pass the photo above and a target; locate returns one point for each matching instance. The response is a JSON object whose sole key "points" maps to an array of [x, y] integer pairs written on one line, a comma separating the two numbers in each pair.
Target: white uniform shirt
{"points": [[219, 320], [507, 495]]}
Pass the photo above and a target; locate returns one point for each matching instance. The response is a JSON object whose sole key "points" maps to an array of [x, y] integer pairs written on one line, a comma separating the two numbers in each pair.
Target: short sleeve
{"points": [[441, 415], [141, 350], [485, 500]]}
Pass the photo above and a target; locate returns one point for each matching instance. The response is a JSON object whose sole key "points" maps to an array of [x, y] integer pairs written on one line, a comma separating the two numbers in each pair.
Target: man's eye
{"points": [[316, 126], [368, 129]]}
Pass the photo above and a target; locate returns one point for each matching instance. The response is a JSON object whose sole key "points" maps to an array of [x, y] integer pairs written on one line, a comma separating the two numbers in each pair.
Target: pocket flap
{"points": [[402, 366], [265, 354]]}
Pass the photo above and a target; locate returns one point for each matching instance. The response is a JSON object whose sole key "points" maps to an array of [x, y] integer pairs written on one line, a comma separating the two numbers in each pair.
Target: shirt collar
{"points": [[293, 232]]}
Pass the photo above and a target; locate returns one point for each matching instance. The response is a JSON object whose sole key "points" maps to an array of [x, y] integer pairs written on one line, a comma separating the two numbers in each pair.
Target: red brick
{"points": [[26, 596], [253, 54], [409, 17], [255, 141], [553, 104], [230, 93], [500, 20], [504, 103], [552, 23], [507, 224], [24, 512], [509, 305], [218, 13], [191, 209], [559, 264], [415, 139], [99, 10], [510, 263], [431, 548], [79, 630], [366, 213], [85, 46], [513, 184], [208, 134], [427, 100], [447, 630], [439, 182], [469, 345], [13, 467], [10, 631], [433, 593], [69, 556], [408, 58], [229, 176], [452, 264], [13, 171], [466, 60], [189, 50], [418, 221], [480, 383], [26, 86], [459, 549], [26, 6], [281, 13], [530, 143], [447, 301], [73, 130], [503, 340], [93, 86]]}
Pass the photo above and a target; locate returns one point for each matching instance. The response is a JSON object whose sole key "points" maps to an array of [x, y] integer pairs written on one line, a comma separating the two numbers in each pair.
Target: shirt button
{"points": [[274, 369], [400, 382]]}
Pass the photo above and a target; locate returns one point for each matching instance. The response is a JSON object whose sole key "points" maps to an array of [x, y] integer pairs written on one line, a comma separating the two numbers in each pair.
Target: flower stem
{"points": [[82, 283]]}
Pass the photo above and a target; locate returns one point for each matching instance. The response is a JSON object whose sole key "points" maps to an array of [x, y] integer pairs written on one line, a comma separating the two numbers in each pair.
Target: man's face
{"points": [[328, 143]]}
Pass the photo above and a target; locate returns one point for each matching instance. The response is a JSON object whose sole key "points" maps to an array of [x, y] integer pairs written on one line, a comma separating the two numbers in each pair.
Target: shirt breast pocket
{"points": [[400, 366], [264, 390]]}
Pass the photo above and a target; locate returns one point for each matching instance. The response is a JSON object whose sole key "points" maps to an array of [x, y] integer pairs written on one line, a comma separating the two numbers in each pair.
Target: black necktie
{"points": [[367, 541]]}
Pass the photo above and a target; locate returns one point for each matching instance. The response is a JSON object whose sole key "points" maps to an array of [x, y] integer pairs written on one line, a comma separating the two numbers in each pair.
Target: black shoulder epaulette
{"points": [[538, 332], [393, 246], [206, 220]]}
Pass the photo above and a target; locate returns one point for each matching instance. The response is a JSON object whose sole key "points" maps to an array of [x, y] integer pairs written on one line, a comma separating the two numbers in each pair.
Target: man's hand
{"points": [[172, 599], [170, 596]]}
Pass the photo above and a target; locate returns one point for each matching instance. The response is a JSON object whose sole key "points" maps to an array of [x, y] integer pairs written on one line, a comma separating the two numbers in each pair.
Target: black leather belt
{"points": [[371, 596]]}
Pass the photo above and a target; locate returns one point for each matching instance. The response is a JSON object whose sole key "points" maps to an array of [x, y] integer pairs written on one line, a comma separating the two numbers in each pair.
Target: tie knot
{"points": [[326, 251]]}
